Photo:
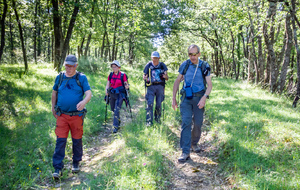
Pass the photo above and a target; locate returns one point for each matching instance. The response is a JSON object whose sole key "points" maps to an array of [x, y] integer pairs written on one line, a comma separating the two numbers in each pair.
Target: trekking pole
{"points": [[145, 102], [164, 105], [106, 102], [127, 94]]}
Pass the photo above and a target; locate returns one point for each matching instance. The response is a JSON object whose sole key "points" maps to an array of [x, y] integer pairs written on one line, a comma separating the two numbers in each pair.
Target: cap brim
{"points": [[69, 63]]}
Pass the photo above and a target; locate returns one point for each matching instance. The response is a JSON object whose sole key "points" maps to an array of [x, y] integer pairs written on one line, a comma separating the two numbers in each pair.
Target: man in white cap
{"points": [[117, 82], [155, 75], [68, 107]]}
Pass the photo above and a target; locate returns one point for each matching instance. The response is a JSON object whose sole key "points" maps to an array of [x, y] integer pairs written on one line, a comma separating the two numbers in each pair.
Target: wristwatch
{"points": [[207, 96]]}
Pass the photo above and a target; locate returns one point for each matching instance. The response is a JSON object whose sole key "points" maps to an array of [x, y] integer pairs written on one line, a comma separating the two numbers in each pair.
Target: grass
{"points": [[257, 134]]}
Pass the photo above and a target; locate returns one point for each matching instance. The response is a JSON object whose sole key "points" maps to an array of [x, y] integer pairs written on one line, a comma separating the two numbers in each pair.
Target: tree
{"points": [[21, 36], [61, 43], [3, 28]]}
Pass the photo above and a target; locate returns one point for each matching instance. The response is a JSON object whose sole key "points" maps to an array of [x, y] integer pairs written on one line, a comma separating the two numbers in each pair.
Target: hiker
{"points": [[195, 73], [155, 76], [68, 107], [116, 86]]}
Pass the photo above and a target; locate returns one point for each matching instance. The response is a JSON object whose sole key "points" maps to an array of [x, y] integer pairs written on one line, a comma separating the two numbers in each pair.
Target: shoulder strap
{"points": [[186, 67], [61, 76], [110, 76], [203, 67], [77, 79]]}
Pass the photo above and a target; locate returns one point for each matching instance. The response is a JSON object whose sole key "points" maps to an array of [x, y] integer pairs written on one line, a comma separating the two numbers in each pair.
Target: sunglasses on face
{"points": [[193, 54], [70, 66]]}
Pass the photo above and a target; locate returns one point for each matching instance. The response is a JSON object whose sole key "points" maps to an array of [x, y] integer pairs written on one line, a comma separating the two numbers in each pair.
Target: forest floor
{"points": [[199, 172]]}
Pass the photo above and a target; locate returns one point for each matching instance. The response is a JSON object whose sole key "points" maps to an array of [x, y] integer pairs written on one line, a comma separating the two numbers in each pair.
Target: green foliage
{"points": [[92, 65]]}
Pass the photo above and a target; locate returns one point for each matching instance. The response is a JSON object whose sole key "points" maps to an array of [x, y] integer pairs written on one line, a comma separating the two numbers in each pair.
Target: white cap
{"points": [[115, 62]]}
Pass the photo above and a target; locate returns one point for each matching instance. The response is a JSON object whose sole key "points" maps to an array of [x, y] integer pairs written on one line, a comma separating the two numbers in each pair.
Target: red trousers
{"points": [[65, 123]]}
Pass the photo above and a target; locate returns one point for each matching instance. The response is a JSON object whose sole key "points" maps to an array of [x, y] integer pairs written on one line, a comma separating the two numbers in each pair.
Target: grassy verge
{"points": [[258, 134]]}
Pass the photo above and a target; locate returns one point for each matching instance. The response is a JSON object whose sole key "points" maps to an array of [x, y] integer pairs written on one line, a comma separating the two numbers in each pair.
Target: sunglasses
{"points": [[69, 66], [193, 54]]}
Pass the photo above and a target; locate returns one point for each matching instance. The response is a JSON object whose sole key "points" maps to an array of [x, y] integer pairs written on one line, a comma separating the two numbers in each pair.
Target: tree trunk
{"points": [[69, 33], [269, 40], [232, 53], [238, 55], [131, 49], [298, 55], [57, 34], [288, 48], [3, 29], [91, 27], [62, 46], [253, 57], [81, 47], [21, 36]]}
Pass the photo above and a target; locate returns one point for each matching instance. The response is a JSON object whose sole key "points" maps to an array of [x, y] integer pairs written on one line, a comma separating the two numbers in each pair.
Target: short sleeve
{"points": [[147, 68], [165, 67], [207, 69], [182, 66], [85, 83], [55, 86], [125, 78]]}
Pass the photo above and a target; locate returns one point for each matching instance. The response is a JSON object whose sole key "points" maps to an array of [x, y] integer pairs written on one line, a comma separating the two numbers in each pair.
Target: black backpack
{"points": [[61, 76], [203, 69]]}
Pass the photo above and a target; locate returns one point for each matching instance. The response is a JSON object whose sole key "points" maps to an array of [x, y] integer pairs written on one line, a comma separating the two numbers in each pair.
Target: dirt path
{"points": [[199, 172]]}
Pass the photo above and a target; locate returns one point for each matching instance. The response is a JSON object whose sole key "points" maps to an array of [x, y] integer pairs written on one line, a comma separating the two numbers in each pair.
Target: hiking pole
{"points": [[106, 102], [164, 105], [128, 102], [146, 101]]}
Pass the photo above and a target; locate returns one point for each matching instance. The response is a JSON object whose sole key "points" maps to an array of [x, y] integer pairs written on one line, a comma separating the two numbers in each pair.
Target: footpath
{"points": [[199, 172]]}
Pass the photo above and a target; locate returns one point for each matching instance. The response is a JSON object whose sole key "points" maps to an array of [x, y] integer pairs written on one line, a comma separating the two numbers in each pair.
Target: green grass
{"points": [[257, 134]]}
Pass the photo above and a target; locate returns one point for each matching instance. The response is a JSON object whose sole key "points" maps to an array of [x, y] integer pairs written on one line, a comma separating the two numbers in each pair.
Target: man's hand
{"points": [[80, 105], [201, 103], [145, 76], [54, 113], [174, 103]]}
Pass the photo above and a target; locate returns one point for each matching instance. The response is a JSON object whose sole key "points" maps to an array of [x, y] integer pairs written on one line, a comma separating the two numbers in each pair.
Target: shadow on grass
{"points": [[246, 119]]}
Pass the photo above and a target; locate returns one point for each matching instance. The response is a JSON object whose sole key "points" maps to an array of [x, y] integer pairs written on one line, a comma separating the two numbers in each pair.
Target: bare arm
{"points": [[87, 98], [202, 101], [175, 89], [165, 75], [53, 101], [106, 87]]}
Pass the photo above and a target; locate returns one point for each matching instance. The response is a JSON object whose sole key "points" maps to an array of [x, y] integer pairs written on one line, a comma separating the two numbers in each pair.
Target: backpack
{"points": [[61, 76], [149, 75], [203, 69], [122, 76]]}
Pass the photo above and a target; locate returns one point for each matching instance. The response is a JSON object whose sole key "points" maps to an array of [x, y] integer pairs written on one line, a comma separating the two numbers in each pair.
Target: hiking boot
{"points": [[57, 174], [184, 157], [75, 168], [196, 148], [115, 129]]}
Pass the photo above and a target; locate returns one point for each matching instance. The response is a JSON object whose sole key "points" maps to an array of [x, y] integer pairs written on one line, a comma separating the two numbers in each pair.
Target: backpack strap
{"points": [[203, 69], [186, 68], [61, 76], [122, 78], [77, 79], [110, 76]]}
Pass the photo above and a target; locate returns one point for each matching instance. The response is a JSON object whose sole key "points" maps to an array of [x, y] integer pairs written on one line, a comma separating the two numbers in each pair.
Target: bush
{"points": [[92, 65]]}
